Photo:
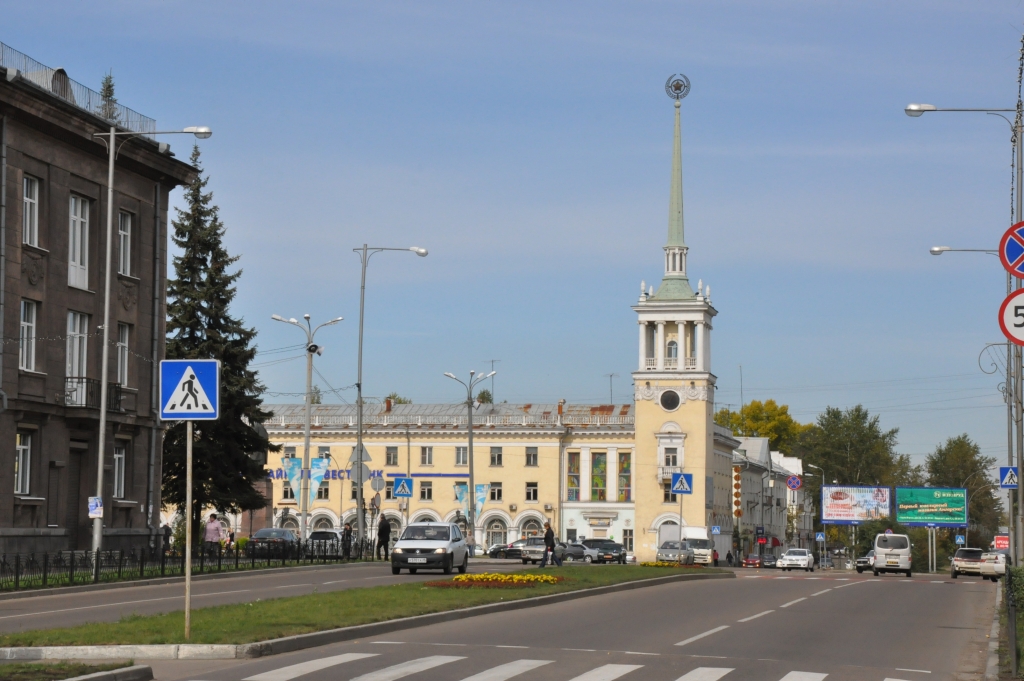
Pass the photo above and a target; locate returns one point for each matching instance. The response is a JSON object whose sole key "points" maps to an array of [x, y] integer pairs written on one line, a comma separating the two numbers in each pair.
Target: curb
{"points": [[992, 664], [191, 651], [137, 673]]}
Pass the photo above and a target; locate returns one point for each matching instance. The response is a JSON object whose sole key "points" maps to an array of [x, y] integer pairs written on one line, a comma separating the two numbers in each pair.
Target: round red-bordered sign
{"points": [[1011, 317], [1011, 250], [794, 482]]}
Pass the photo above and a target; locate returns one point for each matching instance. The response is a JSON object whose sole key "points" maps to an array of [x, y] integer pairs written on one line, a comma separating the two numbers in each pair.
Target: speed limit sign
{"points": [[1011, 317]]}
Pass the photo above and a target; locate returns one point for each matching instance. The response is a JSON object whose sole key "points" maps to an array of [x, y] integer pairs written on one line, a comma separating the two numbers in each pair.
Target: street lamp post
{"points": [[110, 139], [364, 256], [474, 380], [311, 349]]}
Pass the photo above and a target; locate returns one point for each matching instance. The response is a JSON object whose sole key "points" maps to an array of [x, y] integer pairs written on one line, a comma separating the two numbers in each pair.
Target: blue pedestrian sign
{"points": [[682, 483], [189, 389], [716, 529], [960, 541], [403, 488], [819, 537], [1008, 477]]}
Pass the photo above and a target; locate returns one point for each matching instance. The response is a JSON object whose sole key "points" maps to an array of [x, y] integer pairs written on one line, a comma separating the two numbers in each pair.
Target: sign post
{"points": [[189, 391], [682, 483]]}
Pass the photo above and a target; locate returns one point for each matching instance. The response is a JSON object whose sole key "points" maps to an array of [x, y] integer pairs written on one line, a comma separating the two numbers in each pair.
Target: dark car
{"points": [[273, 541], [607, 550], [570, 552], [513, 550], [753, 560], [769, 560]]}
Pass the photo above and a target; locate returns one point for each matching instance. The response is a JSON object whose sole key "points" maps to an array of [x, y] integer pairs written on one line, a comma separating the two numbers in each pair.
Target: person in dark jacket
{"points": [[383, 536], [346, 542], [728, 558], [549, 545]]}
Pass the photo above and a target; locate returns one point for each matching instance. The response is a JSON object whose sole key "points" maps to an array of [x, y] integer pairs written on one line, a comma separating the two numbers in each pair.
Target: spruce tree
{"points": [[200, 326], [108, 103]]}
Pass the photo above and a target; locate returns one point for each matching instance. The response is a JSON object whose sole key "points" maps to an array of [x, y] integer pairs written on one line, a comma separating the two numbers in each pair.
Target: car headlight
{"points": [[397, 550], [440, 550]]}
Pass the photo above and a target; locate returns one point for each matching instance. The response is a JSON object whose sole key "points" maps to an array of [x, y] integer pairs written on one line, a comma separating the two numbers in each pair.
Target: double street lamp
{"points": [[111, 140], [474, 381], [311, 349]]}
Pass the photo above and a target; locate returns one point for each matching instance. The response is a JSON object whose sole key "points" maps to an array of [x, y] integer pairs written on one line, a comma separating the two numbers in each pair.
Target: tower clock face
{"points": [[670, 400]]}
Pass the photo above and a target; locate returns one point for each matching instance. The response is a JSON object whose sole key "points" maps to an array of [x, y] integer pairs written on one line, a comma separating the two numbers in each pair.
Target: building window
{"points": [[324, 452], [324, 490], [124, 243], [30, 212], [391, 456], [426, 490], [495, 491], [22, 463], [119, 459], [671, 456], [287, 492], [625, 477], [426, 456], [669, 497], [573, 476], [531, 456], [495, 456], [289, 452], [673, 350], [598, 476], [355, 492], [461, 456], [627, 540], [531, 491], [78, 243], [27, 339], [78, 340], [122, 354], [389, 489]]}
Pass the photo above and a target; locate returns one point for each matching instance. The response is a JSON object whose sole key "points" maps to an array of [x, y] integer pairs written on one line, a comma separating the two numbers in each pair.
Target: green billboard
{"points": [[931, 506]]}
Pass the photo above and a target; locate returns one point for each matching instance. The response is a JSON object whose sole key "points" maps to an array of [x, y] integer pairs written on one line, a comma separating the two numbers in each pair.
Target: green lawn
{"points": [[52, 671], [261, 620]]}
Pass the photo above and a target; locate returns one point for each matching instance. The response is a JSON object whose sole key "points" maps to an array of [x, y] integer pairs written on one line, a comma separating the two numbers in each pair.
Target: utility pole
{"points": [[493, 362], [611, 392]]}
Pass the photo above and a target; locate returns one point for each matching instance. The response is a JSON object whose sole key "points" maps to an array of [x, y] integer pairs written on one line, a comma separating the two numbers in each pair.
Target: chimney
{"points": [[387, 405], [561, 403]]}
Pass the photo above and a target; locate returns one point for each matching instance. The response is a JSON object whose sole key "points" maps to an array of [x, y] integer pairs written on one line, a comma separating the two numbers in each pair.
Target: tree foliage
{"points": [[108, 102], [398, 399], [958, 463], [485, 397], [200, 326], [764, 419]]}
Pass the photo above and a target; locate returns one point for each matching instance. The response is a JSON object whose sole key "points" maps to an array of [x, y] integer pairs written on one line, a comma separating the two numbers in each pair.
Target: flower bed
{"points": [[667, 564], [493, 580]]}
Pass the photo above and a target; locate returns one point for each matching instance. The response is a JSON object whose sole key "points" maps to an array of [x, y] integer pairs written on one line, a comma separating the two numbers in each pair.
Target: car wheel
{"points": [[502, 555], [395, 570], [412, 571], [860, 570], [812, 568], [909, 573], [568, 558], [465, 564], [588, 559], [875, 572], [446, 566], [525, 561], [534, 561], [953, 573]]}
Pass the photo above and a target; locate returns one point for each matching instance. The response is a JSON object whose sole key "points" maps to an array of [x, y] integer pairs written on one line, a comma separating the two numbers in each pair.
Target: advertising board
{"points": [[852, 505], [931, 506]]}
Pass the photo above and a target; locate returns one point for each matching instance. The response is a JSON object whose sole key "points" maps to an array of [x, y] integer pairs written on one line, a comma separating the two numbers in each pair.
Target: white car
{"points": [[796, 559], [430, 546], [966, 562], [993, 565]]}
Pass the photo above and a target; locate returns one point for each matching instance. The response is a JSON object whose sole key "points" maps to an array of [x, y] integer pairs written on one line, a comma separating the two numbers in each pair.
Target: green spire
{"points": [[675, 285]]}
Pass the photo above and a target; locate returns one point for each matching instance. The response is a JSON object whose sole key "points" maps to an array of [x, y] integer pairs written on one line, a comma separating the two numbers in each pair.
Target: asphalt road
{"points": [[55, 609], [762, 625]]}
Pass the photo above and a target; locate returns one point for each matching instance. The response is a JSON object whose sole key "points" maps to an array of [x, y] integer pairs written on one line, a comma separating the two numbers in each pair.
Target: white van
{"points": [[695, 537], [892, 554]]}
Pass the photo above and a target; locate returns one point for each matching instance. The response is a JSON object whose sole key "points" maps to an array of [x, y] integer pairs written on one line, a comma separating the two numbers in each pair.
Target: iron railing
{"points": [[68, 568], [460, 420], [56, 82], [85, 392]]}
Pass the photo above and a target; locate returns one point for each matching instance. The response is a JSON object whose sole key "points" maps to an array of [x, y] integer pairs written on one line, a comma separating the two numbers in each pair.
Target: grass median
{"points": [[261, 620], [53, 671]]}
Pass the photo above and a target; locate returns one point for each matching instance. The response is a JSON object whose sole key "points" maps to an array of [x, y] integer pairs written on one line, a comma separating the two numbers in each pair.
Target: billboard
{"points": [[852, 505], [931, 506]]}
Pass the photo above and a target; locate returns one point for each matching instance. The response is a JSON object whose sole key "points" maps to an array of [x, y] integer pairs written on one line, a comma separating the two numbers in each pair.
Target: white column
{"points": [[700, 346], [612, 493], [659, 348], [643, 346], [584, 473], [707, 347]]}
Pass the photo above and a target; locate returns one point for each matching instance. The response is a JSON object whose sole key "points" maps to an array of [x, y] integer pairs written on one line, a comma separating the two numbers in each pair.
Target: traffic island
{"points": [[268, 627], [74, 671]]}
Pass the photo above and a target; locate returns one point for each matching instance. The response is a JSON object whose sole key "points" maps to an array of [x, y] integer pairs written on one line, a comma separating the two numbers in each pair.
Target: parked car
{"points": [[993, 565], [796, 559], [769, 560], [892, 554], [430, 546], [606, 551], [533, 550], [325, 536], [669, 552], [571, 552], [753, 560], [966, 562], [513, 550], [866, 562], [273, 541]]}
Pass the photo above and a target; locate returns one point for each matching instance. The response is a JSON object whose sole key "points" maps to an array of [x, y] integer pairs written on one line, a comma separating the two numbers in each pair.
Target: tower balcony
{"points": [[672, 363]]}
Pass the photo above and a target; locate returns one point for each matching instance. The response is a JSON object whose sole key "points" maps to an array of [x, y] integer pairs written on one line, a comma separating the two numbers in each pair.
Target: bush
{"points": [[1016, 575], [241, 543]]}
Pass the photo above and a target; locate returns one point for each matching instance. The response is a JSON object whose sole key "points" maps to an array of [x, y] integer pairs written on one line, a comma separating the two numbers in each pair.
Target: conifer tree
{"points": [[200, 326], [108, 105]]}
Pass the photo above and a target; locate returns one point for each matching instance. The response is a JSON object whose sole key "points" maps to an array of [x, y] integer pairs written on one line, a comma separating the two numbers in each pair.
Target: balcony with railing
{"points": [[665, 472], [651, 363], [85, 392]]}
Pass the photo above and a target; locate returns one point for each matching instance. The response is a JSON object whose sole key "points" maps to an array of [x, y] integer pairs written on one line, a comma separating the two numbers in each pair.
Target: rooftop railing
{"points": [[456, 421]]}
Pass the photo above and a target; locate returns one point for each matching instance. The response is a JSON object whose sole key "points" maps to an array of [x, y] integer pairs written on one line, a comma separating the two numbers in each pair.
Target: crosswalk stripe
{"points": [[507, 671], [705, 674], [803, 676], [607, 673], [296, 670], [404, 669]]}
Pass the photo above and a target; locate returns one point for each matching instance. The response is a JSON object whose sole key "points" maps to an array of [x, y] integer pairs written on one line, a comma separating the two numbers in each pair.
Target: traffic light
{"points": [[737, 487]]}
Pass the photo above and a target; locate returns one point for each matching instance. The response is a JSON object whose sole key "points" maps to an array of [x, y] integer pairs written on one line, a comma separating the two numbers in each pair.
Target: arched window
{"points": [[531, 528], [673, 350], [425, 519], [323, 523], [497, 533], [290, 523]]}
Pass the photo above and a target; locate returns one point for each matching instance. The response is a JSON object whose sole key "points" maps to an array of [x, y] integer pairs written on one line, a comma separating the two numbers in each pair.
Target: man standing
{"points": [[383, 536], [549, 545], [346, 542]]}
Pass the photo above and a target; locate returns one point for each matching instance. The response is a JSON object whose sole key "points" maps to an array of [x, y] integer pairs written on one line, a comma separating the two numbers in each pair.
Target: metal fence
{"points": [[68, 568]]}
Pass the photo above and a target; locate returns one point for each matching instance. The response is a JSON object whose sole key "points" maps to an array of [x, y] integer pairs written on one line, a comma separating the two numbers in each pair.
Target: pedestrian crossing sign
{"points": [[189, 389], [716, 529], [1008, 477], [960, 541], [403, 488], [682, 483], [819, 537]]}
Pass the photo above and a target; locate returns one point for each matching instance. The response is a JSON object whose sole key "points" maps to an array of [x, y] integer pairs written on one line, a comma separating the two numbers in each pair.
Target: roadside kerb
{"points": [[194, 651], [139, 672]]}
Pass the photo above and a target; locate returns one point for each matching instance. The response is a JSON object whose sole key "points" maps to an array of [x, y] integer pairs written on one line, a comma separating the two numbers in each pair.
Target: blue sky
{"points": [[527, 145]]}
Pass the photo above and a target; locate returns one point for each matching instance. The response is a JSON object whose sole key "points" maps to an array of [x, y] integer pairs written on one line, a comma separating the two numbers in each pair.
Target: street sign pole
{"points": [[679, 553], [188, 529]]}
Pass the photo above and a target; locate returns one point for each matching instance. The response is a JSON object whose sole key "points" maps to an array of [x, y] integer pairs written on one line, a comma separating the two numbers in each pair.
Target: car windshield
{"points": [[322, 535], [672, 545], [427, 533], [895, 542], [969, 554], [797, 552], [753, 556], [271, 533], [699, 543]]}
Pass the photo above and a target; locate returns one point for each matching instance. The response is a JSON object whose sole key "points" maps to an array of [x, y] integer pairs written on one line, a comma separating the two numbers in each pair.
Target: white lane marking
{"points": [[581, 650], [289, 586], [406, 668], [812, 577], [803, 676], [705, 674], [752, 577], [390, 643], [825, 591], [786, 605], [783, 578], [838, 579], [607, 673], [110, 605], [337, 581], [754, 617], [888, 678], [296, 670], [937, 581], [700, 636], [524, 647], [507, 671], [919, 671], [633, 652], [850, 584]]}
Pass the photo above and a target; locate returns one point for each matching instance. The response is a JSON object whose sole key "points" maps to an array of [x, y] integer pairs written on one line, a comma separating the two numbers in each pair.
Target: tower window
{"points": [[673, 350]]}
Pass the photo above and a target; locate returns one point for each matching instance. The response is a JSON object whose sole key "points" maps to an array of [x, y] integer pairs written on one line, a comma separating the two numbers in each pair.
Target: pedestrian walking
{"points": [[168, 534], [213, 534], [383, 536], [549, 545], [715, 557], [728, 558], [346, 542]]}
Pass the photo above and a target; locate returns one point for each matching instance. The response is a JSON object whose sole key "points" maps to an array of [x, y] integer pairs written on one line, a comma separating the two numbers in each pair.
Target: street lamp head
{"points": [[278, 318], [293, 320], [490, 374], [938, 250], [200, 131], [915, 110], [449, 375], [422, 252], [333, 321], [306, 317]]}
